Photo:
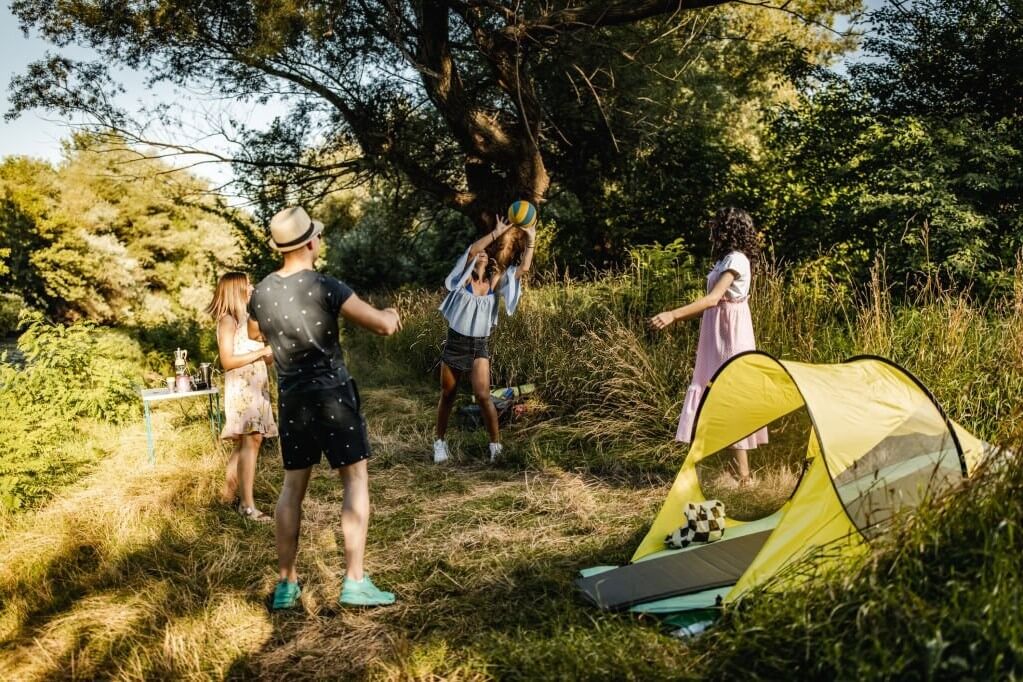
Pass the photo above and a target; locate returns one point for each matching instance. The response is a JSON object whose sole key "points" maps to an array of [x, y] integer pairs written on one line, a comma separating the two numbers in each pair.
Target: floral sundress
{"points": [[247, 407]]}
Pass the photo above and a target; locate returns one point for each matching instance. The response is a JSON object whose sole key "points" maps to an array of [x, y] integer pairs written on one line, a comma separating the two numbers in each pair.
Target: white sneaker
{"points": [[440, 451], [495, 451]]}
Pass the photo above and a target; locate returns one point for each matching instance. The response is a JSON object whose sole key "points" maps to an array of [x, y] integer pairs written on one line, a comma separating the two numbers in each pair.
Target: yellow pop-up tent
{"points": [[879, 443]]}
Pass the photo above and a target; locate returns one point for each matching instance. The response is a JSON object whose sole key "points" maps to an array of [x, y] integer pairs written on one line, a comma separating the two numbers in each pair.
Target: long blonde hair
{"points": [[231, 297]]}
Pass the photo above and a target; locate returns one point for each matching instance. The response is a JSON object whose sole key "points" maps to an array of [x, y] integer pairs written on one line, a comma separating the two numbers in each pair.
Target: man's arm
{"points": [[383, 322], [253, 329]]}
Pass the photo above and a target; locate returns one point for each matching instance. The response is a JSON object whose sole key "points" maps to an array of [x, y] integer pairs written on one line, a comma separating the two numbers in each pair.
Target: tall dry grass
{"points": [[608, 382]]}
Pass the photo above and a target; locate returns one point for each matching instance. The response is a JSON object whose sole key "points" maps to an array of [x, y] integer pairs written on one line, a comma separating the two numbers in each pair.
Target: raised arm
{"points": [[382, 322], [488, 239], [696, 308], [226, 329], [527, 255]]}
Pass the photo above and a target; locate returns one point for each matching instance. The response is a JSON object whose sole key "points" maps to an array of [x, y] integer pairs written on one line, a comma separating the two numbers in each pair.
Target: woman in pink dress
{"points": [[726, 327], [247, 410]]}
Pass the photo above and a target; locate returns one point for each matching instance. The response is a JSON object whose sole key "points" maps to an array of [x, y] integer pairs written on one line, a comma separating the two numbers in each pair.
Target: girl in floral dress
{"points": [[248, 413]]}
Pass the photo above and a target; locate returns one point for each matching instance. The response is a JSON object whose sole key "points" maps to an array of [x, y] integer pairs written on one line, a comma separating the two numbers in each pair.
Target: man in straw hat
{"points": [[295, 310]]}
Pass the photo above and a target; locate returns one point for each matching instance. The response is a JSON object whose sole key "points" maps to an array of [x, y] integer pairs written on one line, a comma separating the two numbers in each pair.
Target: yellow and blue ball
{"points": [[522, 214]]}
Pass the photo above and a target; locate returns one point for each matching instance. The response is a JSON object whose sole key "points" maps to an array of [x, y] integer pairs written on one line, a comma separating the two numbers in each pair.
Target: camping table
{"points": [[159, 395]]}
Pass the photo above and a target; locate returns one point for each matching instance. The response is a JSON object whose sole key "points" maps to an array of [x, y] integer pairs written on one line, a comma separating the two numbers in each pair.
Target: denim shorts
{"points": [[460, 351]]}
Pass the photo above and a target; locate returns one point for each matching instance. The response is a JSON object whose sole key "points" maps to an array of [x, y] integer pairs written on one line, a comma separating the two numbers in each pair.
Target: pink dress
{"points": [[247, 406], [725, 330]]}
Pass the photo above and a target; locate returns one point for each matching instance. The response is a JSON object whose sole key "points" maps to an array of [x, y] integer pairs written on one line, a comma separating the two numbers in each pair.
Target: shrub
{"points": [[11, 306], [70, 373]]}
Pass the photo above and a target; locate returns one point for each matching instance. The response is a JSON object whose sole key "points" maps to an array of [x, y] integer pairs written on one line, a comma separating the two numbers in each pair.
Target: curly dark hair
{"points": [[731, 229]]}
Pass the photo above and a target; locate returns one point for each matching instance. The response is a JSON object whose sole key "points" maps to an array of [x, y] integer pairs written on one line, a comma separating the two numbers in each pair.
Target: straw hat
{"points": [[292, 228]]}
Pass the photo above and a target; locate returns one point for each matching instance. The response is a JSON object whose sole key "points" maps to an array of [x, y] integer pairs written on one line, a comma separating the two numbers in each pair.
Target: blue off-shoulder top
{"points": [[472, 315]]}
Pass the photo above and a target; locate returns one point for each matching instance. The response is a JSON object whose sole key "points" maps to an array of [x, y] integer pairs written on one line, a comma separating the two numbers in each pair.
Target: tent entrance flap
{"points": [[717, 564]]}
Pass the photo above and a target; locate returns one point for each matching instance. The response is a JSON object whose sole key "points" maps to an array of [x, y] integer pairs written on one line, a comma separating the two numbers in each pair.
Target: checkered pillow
{"points": [[705, 522]]}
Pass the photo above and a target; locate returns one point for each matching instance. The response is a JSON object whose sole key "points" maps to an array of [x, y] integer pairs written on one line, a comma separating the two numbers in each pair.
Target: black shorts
{"points": [[323, 422], [460, 351]]}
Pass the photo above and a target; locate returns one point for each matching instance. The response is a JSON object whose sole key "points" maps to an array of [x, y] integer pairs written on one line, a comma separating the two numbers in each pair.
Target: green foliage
{"points": [[158, 341], [69, 373], [937, 198], [676, 122], [88, 240], [26, 192], [11, 306], [33, 460], [658, 273], [539, 92], [945, 58], [383, 238], [937, 599], [914, 155], [644, 128]]}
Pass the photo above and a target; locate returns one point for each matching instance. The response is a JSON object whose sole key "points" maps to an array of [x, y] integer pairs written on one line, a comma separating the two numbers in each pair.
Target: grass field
{"points": [[137, 572]]}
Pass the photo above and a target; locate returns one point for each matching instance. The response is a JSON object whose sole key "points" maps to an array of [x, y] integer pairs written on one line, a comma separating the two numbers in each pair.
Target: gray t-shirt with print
{"points": [[298, 316]]}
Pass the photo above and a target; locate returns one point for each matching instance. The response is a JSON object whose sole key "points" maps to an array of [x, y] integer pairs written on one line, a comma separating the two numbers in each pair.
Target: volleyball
{"points": [[522, 214]]}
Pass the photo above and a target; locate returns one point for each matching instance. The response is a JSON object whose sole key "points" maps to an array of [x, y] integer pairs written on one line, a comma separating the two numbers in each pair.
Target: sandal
{"points": [[253, 514]]}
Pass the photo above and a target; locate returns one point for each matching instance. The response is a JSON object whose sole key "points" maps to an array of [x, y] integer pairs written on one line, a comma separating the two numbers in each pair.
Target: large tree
{"points": [[443, 93]]}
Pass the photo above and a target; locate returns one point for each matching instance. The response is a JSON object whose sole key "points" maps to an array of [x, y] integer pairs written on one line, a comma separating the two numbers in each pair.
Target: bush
{"points": [[11, 306], [70, 373]]}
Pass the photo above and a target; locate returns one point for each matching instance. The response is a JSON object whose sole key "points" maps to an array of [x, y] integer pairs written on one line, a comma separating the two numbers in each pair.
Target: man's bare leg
{"points": [[355, 516], [288, 520]]}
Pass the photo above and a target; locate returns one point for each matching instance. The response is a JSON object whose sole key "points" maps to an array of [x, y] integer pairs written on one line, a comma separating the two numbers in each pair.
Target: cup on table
{"points": [[170, 384]]}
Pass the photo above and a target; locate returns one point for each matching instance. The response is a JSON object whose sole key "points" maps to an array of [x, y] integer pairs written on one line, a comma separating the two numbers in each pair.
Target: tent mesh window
{"points": [[914, 457], [776, 469]]}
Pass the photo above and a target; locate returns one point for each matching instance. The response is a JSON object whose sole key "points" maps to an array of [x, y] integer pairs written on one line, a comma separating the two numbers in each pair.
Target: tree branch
{"points": [[599, 14]]}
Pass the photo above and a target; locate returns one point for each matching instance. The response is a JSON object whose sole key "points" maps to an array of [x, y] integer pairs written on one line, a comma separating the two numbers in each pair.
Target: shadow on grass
{"points": [[444, 628], [157, 582], [126, 574]]}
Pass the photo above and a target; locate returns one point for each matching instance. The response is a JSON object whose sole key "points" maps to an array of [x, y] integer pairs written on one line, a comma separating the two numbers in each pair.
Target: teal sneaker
{"points": [[286, 595], [363, 593]]}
